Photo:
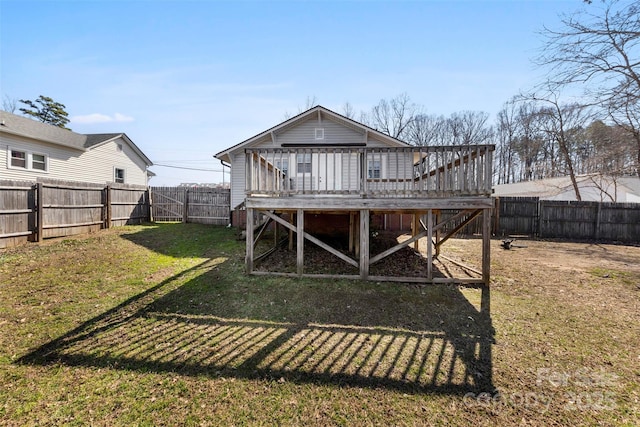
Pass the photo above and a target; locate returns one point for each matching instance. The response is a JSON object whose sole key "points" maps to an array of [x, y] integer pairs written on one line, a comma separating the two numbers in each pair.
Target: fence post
{"points": [[596, 233], [149, 211], [540, 208], [185, 206], [107, 208], [39, 214]]}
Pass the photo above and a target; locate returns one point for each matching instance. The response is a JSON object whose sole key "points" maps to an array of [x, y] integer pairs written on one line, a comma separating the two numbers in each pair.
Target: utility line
{"points": [[187, 168]]}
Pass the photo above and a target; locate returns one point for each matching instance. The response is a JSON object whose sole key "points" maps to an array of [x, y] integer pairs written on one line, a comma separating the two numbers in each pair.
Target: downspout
{"points": [[229, 166], [223, 166]]}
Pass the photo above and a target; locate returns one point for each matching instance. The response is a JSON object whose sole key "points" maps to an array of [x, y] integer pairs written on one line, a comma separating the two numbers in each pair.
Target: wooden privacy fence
{"points": [[35, 211], [568, 219], [530, 216], [199, 205]]}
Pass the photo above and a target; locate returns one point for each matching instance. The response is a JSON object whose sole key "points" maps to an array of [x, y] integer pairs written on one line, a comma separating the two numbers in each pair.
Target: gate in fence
{"points": [[185, 204]]}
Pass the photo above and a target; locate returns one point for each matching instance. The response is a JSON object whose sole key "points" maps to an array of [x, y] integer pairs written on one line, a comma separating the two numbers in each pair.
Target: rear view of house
{"points": [[320, 163]]}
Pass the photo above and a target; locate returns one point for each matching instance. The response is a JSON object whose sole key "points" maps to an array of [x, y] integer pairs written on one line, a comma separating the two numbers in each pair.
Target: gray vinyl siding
{"points": [[334, 133], [303, 133], [95, 166], [237, 179]]}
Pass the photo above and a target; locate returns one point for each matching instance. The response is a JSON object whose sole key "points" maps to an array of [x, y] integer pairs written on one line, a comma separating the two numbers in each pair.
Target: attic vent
{"points": [[119, 148], [319, 133]]}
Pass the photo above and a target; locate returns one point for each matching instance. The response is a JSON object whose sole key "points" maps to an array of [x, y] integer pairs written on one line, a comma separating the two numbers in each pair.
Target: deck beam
{"points": [[324, 204]]}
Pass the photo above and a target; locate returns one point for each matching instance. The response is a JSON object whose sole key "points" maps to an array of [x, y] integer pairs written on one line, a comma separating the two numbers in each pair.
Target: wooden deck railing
{"points": [[442, 171]]}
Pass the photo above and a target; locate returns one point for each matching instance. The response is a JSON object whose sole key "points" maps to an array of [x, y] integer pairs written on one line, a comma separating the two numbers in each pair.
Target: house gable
{"points": [[316, 126], [96, 140]]}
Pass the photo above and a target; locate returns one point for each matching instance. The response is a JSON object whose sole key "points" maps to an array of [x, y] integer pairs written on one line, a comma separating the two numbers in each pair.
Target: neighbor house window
{"points": [[21, 159], [119, 175], [319, 134], [39, 162], [18, 159], [303, 162]]}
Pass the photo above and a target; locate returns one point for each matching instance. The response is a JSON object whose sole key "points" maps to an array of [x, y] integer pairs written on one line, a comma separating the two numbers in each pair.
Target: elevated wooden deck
{"points": [[422, 181], [422, 172]]}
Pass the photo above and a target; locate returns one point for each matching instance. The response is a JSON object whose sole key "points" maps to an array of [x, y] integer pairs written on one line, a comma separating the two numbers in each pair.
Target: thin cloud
{"points": [[101, 118]]}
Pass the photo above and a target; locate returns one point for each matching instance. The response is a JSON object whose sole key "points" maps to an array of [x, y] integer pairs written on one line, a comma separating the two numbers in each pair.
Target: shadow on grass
{"points": [[419, 339]]}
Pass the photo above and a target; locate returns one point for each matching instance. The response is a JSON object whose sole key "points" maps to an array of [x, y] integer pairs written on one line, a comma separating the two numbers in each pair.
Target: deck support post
{"points": [[430, 244], [438, 234], [293, 222], [364, 244], [356, 234], [276, 234], [352, 231], [249, 239], [486, 246], [300, 242], [415, 229]]}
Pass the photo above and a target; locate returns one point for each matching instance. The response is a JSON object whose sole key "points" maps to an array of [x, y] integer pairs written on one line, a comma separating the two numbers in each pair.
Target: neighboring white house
{"points": [[31, 150], [595, 188], [317, 127]]}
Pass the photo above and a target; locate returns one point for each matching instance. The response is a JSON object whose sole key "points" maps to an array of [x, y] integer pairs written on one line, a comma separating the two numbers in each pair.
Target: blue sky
{"points": [[186, 79]]}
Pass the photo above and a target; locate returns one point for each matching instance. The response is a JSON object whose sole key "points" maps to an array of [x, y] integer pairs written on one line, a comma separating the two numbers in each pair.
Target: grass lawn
{"points": [[156, 325]]}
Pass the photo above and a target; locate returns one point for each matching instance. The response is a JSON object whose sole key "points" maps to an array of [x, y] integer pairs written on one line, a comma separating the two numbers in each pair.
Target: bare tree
{"points": [[599, 52], [348, 111], [627, 116], [469, 127], [393, 117], [506, 134], [310, 102], [10, 105], [564, 121], [529, 142], [428, 129]]}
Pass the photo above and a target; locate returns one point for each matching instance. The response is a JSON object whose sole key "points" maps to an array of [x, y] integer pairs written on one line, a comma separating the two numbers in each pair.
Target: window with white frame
{"points": [[319, 133], [39, 162], [374, 169], [303, 163], [18, 159], [22, 159], [118, 175]]}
